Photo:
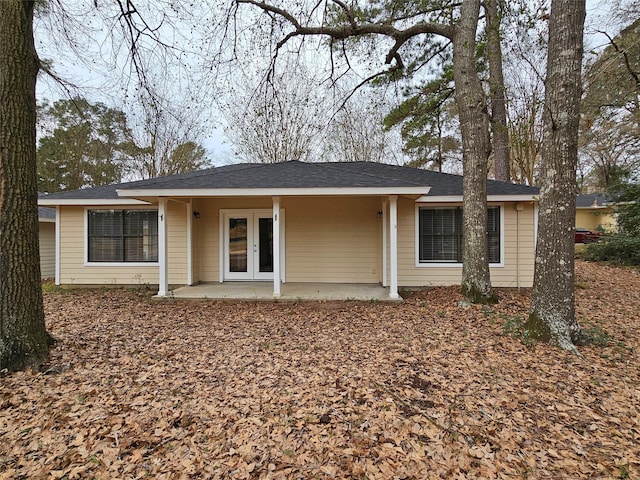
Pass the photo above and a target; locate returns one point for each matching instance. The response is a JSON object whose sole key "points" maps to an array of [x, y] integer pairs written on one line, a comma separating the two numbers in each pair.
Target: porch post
{"points": [[393, 244], [189, 242], [276, 247], [385, 279], [162, 248], [57, 245]]}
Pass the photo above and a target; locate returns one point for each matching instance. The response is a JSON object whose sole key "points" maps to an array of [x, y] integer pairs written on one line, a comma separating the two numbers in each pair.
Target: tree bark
{"points": [[23, 337], [474, 126], [501, 156], [552, 316]]}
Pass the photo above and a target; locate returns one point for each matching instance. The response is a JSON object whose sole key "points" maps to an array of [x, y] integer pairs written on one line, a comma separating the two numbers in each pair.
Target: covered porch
{"points": [[334, 250], [264, 291]]}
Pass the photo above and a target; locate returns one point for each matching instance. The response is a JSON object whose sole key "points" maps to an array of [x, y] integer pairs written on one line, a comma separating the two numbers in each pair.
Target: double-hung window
{"points": [[440, 235], [122, 236]]}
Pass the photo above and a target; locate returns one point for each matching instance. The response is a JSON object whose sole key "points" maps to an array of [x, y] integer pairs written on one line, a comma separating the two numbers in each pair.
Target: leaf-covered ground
{"points": [[428, 389]]}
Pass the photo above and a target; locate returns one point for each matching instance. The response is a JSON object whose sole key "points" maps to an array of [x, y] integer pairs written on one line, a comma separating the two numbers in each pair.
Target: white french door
{"points": [[248, 245]]}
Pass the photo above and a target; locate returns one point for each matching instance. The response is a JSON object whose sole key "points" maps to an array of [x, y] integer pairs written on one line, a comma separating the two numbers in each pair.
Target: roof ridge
{"points": [[194, 174], [330, 165]]}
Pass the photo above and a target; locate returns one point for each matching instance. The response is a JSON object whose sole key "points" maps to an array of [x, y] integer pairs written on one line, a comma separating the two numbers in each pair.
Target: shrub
{"points": [[619, 249]]}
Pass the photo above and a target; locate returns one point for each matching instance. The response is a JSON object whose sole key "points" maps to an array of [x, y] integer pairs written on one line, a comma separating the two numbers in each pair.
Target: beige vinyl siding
{"points": [[519, 240], [327, 239], [518, 233], [333, 240], [177, 242], [206, 232], [47, 249], [195, 241], [73, 270]]}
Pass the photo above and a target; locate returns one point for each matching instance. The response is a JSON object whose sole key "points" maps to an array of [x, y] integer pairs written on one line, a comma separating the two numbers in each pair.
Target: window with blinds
{"points": [[493, 234], [440, 235], [123, 236]]}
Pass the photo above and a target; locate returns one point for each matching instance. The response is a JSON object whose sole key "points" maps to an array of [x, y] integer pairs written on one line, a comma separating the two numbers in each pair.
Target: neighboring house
{"points": [[595, 212], [47, 225], [361, 222]]}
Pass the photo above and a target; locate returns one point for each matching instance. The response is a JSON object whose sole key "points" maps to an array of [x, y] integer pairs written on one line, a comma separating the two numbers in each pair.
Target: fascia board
{"points": [[90, 201], [270, 192], [490, 198]]}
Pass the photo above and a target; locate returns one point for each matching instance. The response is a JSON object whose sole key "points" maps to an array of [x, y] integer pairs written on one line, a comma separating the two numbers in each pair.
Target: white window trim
{"points": [[87, 263], [420, 264]]}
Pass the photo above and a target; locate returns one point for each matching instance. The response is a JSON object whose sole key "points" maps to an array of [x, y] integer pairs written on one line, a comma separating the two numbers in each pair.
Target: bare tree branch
{"points": [[389, 71], [625, 55], [354, 29]]}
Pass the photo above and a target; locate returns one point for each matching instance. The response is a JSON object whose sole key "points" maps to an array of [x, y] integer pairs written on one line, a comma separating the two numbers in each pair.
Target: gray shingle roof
{"points": [[47, 213], [296, 174], [585, 200]]}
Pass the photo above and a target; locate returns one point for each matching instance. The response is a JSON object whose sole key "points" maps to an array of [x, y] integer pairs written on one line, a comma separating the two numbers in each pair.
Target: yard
{"points": [[427, 389]]}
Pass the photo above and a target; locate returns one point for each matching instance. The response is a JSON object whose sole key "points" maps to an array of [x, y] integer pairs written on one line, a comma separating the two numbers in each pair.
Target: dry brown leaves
{"points": [[426, 389]]}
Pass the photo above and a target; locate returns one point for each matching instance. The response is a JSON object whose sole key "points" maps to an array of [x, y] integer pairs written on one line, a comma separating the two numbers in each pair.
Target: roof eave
{"points": [[525, 197], [272, 192], [89, 201]]}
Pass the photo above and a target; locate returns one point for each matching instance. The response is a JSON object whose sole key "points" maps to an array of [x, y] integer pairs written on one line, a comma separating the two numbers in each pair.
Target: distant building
{"points": [[596, 211]]}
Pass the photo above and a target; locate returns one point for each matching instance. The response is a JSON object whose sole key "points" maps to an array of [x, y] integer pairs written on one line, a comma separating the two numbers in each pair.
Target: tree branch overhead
{"points": [[352, 28]]}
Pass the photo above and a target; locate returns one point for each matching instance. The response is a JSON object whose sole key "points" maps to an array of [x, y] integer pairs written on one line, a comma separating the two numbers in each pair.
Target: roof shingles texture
{"points": [[586, 200], [296, 174]]}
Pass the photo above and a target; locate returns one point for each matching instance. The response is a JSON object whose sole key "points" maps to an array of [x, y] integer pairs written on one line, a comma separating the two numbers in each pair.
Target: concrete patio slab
{"points": [[289, 292]]}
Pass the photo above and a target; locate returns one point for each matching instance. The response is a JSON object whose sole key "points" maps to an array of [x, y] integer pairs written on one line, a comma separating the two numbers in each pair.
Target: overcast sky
{"points": [[99, 80]]}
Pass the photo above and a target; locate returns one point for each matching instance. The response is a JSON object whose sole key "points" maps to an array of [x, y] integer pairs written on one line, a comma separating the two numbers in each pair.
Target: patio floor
{"points": [[288, 291]]}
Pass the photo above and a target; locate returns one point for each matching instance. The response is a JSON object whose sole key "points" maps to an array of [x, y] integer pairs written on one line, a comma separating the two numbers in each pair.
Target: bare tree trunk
{"points": [[23, 337], [552, 316], [474, 126], [501, 160]]}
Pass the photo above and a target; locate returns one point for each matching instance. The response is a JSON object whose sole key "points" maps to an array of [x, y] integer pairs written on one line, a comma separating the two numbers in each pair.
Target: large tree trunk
{"points": [[552, 317], [23, 337], [474, 126], [501, 160]]}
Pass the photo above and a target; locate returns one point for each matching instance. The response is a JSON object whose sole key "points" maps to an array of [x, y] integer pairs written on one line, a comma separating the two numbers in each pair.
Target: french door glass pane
{"points": [[265, 227], [238, 244]]}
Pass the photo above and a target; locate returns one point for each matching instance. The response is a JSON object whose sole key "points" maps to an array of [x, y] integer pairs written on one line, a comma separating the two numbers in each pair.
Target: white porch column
{"points": [[189, 242], [385, 279], [162, 248], [276, 247], [393, 245]]}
